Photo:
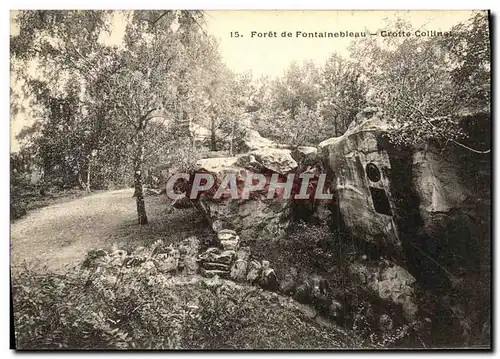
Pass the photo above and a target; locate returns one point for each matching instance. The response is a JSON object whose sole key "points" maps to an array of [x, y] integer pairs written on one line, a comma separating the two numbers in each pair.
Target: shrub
{"points": [[123, 301], [18, 209]]}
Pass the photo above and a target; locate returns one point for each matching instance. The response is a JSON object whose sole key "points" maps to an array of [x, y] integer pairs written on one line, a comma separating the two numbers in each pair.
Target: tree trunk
{"points": [[213, 139], [231, 140], [87, 185], [80, 181], [138, 191], [191, 134], [79, 177]]}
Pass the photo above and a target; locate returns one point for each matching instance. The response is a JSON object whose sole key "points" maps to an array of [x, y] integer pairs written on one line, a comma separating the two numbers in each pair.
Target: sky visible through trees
{"points": [[110, 96]]}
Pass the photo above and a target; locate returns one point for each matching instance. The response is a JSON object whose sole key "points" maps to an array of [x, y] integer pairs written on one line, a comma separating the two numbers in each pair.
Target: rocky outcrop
{"points": [[421, 207], [362, 171], [216, 262], [386, 193], [255, 215], [389, 282], [306, 155]]}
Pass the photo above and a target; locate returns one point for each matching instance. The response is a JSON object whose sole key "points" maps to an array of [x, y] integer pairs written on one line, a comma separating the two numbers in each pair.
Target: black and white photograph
{"points": [[250, 180]]}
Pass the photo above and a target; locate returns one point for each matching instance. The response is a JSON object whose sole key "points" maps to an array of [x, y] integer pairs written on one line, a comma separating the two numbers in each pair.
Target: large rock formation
{"points": [[362, 171], [395, 197], [250, 217]]}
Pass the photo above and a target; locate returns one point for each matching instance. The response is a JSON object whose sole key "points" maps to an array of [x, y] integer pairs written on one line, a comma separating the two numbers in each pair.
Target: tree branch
{"points": [[428, 120]]}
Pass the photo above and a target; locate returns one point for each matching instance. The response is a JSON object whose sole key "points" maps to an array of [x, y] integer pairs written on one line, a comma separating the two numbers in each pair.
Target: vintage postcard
{"points": [[248, 180]]}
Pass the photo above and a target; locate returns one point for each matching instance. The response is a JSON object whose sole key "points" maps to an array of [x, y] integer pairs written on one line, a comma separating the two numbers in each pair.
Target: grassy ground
{"points": [[56, 308], [26, 199], [61, 234]]}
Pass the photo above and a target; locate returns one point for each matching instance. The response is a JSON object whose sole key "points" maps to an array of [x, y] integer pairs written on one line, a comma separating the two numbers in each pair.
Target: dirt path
{"points": [[60, 235]]}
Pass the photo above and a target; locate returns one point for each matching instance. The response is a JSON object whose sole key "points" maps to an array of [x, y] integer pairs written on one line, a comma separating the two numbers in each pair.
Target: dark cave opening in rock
{"points": [[380, 201]]}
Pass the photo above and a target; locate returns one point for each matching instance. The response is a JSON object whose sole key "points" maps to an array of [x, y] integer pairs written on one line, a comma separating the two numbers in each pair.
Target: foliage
{"points": [[123, 301], [288, 113], [343, 94], [310, 103], [424, 84], [96, 102]]}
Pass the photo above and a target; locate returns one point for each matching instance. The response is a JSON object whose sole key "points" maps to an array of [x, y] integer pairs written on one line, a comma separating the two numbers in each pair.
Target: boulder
{"points": [[254, 269], [391, 283], [228, 239], [385, 323], [239, 270], [256, 215], [189, 246], [216, 262], [365, 204], [288, 285], [268, 279], [305, 155], [167, 262], [389, 194]]}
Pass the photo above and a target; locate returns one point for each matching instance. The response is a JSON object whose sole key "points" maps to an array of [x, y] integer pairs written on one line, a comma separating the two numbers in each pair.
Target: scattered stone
{"points": [[385, 323], [212, 282], [148, 267], [268, 279], [190, 246], [335, 309], [254, 269], [167, 262], [228, 239], [216, 262], [95, 257], [243, 254], [288, 285], [217, 225], [190, 265], [211, 273], [319, 286], [214, 265], [209, 252], [215, 255], [120, 253], [95, 253], [303, 293], [141, 251], [239, 270]]}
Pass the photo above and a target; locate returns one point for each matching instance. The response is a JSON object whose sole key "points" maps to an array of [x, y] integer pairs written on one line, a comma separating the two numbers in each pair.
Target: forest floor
{"points": [[60, 235]]}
